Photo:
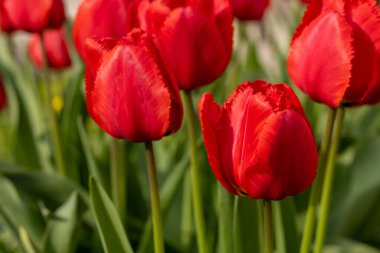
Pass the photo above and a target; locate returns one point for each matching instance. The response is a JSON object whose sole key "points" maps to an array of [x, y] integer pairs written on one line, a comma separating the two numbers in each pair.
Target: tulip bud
{"points": [[335, 53], [195, 37], [129, 91], [56, 49], [103, 18], [259, 143], [32, 16]]}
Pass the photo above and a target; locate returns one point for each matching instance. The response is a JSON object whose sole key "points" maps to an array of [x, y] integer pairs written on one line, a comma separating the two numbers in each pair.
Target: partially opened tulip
{"points": [[249, 9], [259, 143], [56, 49], [129, 91], [103, 18], [335, 53], [33, 16], [195, 37]]}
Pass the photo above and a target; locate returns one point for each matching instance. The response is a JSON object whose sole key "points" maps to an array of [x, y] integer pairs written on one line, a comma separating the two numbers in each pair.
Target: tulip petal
{"points": [[31, 16], [99, 18], [319, 61], [285, 147], [366, 14], [210, 114], [131, 95]]}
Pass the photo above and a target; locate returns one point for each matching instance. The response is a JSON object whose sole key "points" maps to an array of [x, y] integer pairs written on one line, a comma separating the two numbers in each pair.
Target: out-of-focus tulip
{"points": [[129, 91], [249, 9], [335, 52], [3, 97], [5, 23], [56, 49], [33, 16], [195, 37], [259, 142], [305, 1], [103, 18]]}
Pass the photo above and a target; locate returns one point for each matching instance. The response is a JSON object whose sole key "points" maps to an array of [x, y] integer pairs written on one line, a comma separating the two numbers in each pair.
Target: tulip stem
{"points": [[316, 188], [328, 181], [118, 180], [268, 227], [52, 121], [154, 199], [195, 177]]}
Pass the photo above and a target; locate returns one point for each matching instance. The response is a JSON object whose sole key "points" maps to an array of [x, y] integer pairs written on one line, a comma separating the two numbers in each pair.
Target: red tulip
{"points": [[259, 142], [249, 9], [56, 49], [129, 92], [103, 18], [33, 16], [5, 23], [3, 97], [195, 37], [335, 52]]}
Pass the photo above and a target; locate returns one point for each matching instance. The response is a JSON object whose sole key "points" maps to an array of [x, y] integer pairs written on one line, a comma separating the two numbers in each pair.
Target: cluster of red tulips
{"points": [[139, 54]]}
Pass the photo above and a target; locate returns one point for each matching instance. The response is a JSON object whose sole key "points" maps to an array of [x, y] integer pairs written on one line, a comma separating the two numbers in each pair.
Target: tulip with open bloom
{"points": [[56, 49], [335, 53], [32, 16], [195, 37], [129, 91], [259, 142]]}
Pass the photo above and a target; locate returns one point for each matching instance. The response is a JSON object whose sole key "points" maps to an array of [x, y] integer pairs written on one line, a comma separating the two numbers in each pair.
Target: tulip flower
{"points": [[3, 97], [195, 37], [5, 23], [249, 9], [32, 16], [129, 91], [103, 18], [259, 143], [56, 49], [335, 53]]}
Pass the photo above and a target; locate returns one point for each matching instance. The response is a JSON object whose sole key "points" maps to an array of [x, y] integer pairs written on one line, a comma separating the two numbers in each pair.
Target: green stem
{"points": [[268, 227], [327, 182], [316, 188], [52, 121], [236, 227], [118, 177], [155, 199], [195, 177]]}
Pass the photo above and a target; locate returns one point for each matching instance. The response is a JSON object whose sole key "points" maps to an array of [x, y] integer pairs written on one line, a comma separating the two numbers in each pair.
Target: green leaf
{"points": [[109, 225], [286, 234], [25, 240], [52, 189], [20, 213], [248, 225], [92, 166], [61, 230]]}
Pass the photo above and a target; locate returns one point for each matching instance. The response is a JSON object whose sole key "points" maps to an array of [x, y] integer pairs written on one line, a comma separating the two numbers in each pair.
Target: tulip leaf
{"points": [[248, 225], [17, 212], [52, 189], [61, 229], [286, 234], [25, 240], [92, 166], [109, 225]]}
